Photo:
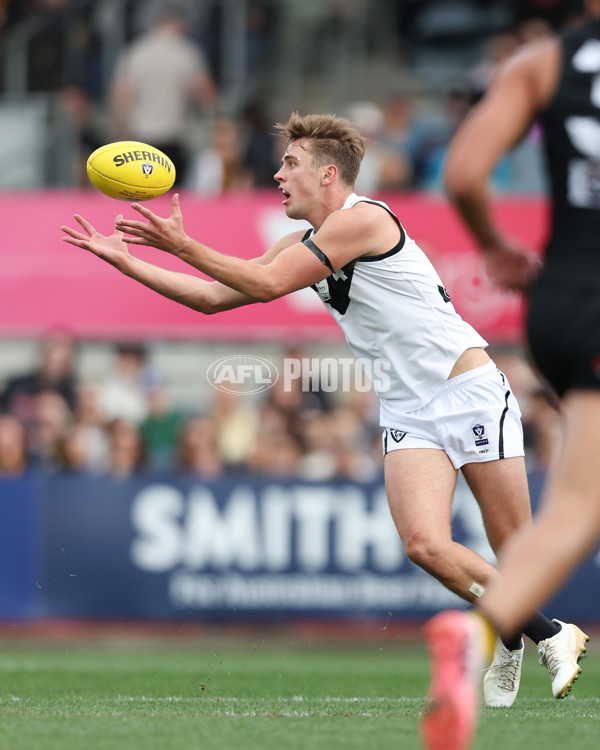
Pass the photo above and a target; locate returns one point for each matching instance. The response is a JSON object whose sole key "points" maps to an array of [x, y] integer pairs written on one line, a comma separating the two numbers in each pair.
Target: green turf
{"points": [[260, 696]]}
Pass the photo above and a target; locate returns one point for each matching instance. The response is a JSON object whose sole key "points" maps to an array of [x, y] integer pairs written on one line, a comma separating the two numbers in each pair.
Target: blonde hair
{"points": [[333, 140]]}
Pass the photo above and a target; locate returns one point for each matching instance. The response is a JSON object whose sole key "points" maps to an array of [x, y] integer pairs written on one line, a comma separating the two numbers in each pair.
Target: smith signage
{"points": [[245, 547]]}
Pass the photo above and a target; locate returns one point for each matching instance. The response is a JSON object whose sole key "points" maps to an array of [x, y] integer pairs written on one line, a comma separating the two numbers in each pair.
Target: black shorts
{"points": [[563, 329]]}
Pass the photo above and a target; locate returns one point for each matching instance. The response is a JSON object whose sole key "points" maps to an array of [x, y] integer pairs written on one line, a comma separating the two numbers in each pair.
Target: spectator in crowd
{"points": [[406, 133], [197, 451], [159, 77], [317, 461], [51, 419], [275, 455], [219, 167], [338, 444], [365, 406], [350, 448], [13, 446], [260, 157], [308, 386], [123, 393], [72, 451], [279, 414], [160, 428], [81, 128], [91, 426], [126, 450], [383, 167], [55, 372], [236, 422]]}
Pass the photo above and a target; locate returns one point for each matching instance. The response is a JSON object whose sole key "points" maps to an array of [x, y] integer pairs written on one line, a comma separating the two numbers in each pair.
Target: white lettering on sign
{"points": [[222, 537], [156, 516], [277, 528], [360, 530], [309, 527]]}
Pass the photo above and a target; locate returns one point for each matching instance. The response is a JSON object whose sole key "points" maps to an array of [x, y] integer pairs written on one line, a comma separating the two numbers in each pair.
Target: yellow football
{"points": [[130, 171]]}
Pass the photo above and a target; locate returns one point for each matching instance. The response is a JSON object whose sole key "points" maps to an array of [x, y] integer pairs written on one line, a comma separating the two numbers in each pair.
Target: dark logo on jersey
{"points": [[397, 435], [444, 292], [147, 168], [335, 289], [479, 434], [322, 289]]}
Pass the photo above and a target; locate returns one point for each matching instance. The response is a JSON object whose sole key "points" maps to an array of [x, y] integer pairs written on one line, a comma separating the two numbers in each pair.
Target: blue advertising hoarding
{"points": [[20, 547], [170, 547]]}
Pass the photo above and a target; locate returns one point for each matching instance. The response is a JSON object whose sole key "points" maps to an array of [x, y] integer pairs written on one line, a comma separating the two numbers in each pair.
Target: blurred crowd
{"points": [[124, 423], [51, 421], [178, 79]]}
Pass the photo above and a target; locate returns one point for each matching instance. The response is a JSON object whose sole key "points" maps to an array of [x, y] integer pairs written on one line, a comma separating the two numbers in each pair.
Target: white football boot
{"points": [[503, 676], [560, 655]]}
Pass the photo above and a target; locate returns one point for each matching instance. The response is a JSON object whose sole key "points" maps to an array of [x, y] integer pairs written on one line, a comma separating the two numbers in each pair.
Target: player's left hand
{"points": [[164, 234]]}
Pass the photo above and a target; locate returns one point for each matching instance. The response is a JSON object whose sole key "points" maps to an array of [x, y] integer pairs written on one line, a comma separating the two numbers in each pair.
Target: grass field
{"points": [[260, 696]]}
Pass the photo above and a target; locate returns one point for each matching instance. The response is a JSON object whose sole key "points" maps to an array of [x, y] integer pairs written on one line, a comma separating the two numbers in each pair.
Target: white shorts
{"points": [[474, 418]]}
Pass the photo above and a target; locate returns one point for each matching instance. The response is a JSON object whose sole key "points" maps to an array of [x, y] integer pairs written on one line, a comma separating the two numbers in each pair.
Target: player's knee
{"points": [[425, 551]]}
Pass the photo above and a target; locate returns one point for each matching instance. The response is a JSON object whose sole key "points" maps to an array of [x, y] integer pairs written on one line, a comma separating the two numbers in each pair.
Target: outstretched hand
{"points": [[164, 234], [509, 267], [111, 248]]}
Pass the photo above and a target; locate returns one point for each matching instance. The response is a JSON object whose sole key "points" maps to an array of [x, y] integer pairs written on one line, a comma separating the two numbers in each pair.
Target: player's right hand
{"points": [[511, 268], [111, 248]]}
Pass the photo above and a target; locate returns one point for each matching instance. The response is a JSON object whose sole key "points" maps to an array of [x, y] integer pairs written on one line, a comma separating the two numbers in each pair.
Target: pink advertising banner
{"points": [[46, 283]]}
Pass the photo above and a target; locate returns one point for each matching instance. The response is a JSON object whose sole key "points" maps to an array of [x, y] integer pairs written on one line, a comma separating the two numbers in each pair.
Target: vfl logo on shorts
{"points": [[147, 168], [397, 435], [479, 435]]}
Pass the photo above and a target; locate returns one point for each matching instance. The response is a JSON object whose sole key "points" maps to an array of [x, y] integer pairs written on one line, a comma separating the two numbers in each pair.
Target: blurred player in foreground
{"points": [[558, 81], [445, 407]]}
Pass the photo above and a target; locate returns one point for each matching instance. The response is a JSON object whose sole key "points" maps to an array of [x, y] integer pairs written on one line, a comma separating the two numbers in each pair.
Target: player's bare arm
{"points": [[363, 230], [198, 294], [520, 89], [345, 235]]}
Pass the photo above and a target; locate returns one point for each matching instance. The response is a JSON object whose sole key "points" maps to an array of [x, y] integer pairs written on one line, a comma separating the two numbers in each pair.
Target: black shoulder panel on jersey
{"points": [[319, 253]]}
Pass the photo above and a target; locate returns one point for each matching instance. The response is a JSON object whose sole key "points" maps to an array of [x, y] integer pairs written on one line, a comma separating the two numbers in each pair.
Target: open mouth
{"points": [[285, 194]]}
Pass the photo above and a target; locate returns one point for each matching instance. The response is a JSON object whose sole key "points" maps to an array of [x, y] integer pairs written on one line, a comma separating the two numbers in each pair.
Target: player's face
{"points": [[298, 180]]}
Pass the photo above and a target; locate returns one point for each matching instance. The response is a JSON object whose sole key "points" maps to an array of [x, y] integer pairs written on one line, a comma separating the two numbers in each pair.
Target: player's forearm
{"points": [[467, 186], [251, 279], [203, 296], [474, 207]]}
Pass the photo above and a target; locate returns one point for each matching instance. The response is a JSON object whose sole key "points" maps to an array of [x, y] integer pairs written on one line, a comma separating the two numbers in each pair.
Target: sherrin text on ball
{"points": [[130, 171]]}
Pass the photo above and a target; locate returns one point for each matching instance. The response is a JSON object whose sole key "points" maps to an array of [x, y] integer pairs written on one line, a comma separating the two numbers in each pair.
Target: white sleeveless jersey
{"points": [[394, 308]]}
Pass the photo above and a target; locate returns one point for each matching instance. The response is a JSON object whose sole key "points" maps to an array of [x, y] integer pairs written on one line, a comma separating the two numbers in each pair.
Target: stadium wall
{"points": [[46, 283], [167, 547]]}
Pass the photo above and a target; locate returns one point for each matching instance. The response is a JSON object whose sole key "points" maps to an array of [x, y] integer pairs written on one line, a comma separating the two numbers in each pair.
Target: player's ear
{"points": [[328, 174]]}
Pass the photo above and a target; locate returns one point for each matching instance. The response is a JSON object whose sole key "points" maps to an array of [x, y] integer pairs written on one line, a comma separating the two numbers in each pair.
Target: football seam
{"points": [[126, 184]]}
